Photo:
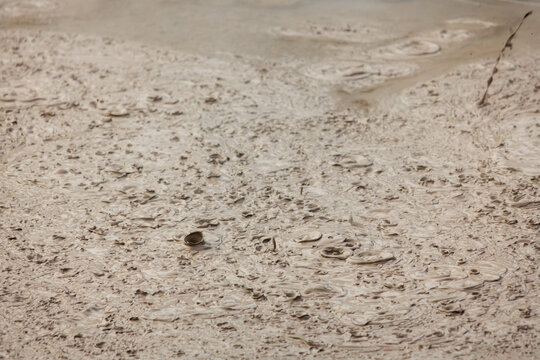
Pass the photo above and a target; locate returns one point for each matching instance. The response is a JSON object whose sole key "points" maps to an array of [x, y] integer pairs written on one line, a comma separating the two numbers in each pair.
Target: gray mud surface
{"points": [[351, 207]]}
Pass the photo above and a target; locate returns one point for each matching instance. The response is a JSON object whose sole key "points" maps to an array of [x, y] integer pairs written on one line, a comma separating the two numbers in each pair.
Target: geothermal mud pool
{"points": [[353, 198]]}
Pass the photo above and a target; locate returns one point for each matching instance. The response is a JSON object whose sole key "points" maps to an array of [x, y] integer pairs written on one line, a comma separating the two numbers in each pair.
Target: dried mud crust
{"points": [[408, 232]]}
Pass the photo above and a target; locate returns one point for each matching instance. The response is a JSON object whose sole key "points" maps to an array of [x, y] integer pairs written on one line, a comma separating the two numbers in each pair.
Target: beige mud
{"points": [[359, 205]]}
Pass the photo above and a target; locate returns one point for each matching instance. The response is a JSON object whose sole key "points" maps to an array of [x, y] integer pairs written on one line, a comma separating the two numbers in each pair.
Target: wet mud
{"points": [[163, 202]]}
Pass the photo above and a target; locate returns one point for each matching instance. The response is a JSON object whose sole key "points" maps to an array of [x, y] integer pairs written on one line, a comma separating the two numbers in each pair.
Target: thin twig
{"points": [[507, 44]]}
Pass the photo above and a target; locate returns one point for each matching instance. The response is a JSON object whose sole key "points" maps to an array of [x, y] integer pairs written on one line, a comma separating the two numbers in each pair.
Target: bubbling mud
{"points": [[163, 196]]}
